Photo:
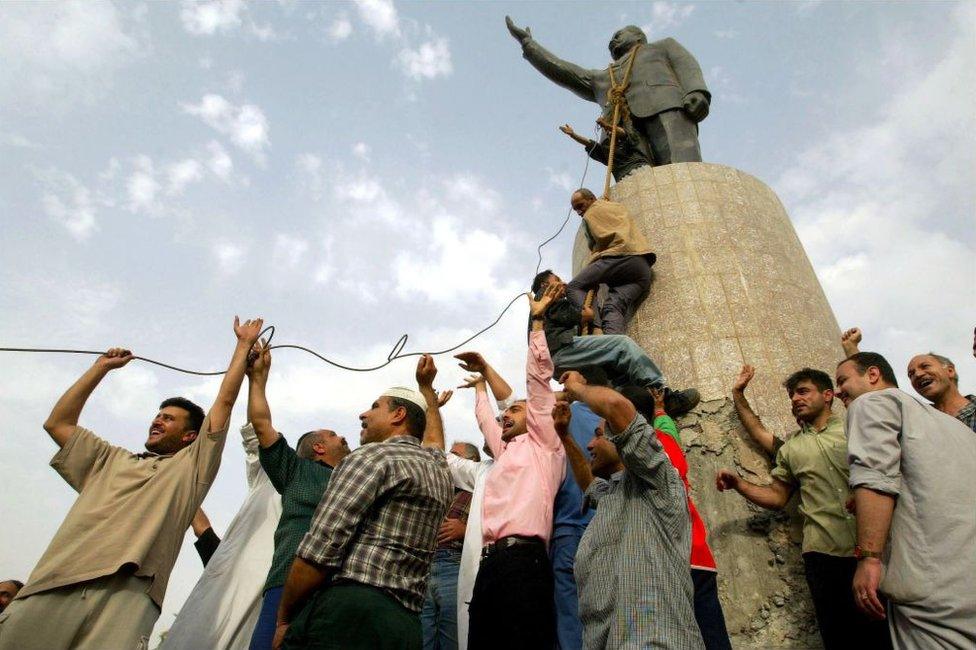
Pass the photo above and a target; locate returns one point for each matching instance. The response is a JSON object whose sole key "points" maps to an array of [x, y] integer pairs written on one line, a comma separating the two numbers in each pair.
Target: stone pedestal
{"points": [[733, 285]]}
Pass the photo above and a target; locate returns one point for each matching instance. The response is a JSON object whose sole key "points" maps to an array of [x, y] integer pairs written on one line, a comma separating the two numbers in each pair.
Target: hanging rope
{"points": [[395, 353], [617, 95]]}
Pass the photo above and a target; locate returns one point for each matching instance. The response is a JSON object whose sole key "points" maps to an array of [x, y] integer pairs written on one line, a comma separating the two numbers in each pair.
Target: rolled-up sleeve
{"points": [[874, 423]]}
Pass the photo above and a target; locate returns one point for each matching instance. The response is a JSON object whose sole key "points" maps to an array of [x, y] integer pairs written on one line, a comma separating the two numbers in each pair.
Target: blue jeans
{"points": [[624, 361], [438, 618], [264, 629], [562, 552]]}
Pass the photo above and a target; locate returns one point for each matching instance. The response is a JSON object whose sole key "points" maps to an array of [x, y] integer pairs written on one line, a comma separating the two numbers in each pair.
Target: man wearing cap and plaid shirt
{"points": [[359, 578]]}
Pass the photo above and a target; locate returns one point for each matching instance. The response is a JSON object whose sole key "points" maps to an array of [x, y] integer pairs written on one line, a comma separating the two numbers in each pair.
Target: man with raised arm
{"points": [[934, 377], [101, 581], [223, 607], [635, 588], [359, 576], [470, 475], [911, 469], [512, 604], [813, 460], [299, 475]]}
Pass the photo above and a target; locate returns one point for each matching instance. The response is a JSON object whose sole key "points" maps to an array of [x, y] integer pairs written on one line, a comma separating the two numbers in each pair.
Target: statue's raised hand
{"points": [[520, 35]]}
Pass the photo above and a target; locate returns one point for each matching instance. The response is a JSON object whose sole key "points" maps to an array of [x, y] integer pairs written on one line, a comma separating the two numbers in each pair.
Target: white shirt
{"points": [[471, 476], [223, 607]]}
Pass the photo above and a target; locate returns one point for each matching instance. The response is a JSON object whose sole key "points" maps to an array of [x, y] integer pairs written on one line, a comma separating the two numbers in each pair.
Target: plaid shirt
{"points": [[378, 520], [967, 414], [459, 510]]}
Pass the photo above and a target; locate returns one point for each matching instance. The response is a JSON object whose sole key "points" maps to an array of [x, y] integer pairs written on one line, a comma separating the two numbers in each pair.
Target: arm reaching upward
{"points": [[434, 430], [753, 425], [64, 416], [561, 416], [258, 409], [850, 340], [474, 362], [247, 334]]}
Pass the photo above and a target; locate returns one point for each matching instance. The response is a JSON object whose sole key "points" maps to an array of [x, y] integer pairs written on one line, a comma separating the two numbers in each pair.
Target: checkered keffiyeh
{"points": [[378, 520]]}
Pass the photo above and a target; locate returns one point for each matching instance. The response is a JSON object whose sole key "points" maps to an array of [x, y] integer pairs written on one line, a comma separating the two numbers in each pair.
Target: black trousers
{"points": [[842, 625], [708, 610], [628, 278], [512, 603]]}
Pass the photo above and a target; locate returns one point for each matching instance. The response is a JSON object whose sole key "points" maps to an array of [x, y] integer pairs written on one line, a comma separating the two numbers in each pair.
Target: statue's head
{"points": [[626, 38]]}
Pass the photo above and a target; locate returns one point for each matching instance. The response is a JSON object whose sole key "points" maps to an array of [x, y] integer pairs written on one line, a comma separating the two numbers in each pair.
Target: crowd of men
{"points": [[405, 543]]}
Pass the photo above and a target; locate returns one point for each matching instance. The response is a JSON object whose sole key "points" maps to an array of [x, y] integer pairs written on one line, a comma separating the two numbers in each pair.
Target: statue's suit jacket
{"points": [[663, 74]]}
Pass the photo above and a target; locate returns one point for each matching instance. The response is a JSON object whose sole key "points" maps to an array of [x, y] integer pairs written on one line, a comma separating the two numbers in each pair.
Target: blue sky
{"points": [[354, 171]]}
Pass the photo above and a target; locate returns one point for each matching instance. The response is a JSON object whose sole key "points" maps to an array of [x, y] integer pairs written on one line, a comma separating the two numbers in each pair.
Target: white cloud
{"points": [[230, 257], [220, 163], [380, 16], [182, 173], [288, 251], [361, 150], [310, 174], [67, 50], [69, 202], [885, 209], [245, 125], [18, 141], [208, 17], [471, 191], [727, 34], [667, 15], [142, 187], [431, 59], [340, 29], [562, 180]]}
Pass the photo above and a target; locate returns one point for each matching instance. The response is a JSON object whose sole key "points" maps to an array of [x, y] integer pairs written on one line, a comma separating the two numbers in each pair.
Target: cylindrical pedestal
{"points": [[733, 285]]}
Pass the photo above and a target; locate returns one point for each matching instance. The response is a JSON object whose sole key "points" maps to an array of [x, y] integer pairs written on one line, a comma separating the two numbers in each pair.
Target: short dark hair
{"points": [[195, 414], [540, 279], [588, 194], [17, 583], [471, 452], [594, 375], [818, 378], [642, 400], [304, 445], [864, 360], [416, 417]]}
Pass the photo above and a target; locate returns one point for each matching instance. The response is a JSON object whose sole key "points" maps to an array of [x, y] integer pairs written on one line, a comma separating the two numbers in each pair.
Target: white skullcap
{"points": [[409, 394]]}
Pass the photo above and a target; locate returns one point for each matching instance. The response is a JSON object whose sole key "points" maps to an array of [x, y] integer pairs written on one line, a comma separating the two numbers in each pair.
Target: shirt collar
{"points": [[404, 439], [616, 477], [831, 421]]}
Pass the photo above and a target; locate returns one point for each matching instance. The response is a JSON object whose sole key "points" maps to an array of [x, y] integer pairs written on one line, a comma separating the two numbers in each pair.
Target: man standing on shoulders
{"points": [[814, 460], [101, 581], [911, 468], [934, 377], [620, 257], [512, 605], [359, 577], [632, 565], [299, 475]]}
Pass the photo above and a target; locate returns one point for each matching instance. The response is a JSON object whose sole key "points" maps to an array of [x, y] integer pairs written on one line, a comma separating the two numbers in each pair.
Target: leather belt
{"points": [[510, 542]]}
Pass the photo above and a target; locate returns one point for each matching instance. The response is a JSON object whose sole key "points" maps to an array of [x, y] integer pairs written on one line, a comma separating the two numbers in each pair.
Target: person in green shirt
{"points": [[814, 459], [300, 475]]}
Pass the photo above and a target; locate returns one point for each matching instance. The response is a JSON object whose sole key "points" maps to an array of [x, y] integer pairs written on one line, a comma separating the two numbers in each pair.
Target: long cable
{"points": [[395, 353]]}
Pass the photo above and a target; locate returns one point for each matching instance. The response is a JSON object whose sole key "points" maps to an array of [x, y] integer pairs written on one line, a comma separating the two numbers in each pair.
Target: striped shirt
{"points": [[378, 520], [635, 590]]}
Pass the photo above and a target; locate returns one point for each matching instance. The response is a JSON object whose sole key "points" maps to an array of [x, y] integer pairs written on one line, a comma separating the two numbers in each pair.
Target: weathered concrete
{"points": [[733, 285]]}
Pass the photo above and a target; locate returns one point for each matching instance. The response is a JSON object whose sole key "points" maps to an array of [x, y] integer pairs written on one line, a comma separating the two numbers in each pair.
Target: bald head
{"points": [[466, 450]]}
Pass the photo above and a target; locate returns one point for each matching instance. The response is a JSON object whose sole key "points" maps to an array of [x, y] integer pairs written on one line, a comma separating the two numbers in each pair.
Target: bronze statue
{"points": [[666, 94]]}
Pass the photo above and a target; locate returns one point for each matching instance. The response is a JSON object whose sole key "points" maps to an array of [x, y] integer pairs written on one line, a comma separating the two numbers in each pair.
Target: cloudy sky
{"points": [[352, 172]]}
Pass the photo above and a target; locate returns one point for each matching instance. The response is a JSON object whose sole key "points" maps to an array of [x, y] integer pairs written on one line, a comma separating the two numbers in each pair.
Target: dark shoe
{"points": [[677, 403]]}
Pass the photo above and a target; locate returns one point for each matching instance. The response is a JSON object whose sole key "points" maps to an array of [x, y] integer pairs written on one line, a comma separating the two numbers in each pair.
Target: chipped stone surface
{"points": [[733, 285]]}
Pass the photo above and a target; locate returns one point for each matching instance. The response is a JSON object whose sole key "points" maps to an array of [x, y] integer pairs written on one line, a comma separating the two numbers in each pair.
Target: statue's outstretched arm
{"points": [[566, 74]]}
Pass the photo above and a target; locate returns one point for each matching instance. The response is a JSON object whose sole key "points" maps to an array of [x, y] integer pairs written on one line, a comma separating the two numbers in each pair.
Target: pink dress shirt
{"points": [[528, 469]]}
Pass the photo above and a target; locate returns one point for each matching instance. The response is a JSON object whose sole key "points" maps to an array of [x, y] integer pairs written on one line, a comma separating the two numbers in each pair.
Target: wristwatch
{"points": [[860, 553]]}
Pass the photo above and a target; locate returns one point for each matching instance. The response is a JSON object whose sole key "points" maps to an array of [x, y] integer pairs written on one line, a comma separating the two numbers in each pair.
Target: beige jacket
{"points": [[611, 232]]}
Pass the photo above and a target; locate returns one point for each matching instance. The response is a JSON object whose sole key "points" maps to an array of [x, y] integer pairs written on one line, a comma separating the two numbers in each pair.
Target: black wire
{"points": [[395, 353]]}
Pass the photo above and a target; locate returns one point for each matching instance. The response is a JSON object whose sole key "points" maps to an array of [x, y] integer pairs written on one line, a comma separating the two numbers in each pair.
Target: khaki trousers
{"points": [[109, 613]]}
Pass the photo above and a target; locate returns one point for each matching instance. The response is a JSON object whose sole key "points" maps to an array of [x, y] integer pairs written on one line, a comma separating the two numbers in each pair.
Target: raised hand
{"points": [[745, 376], [726, 480], [114, 358], [444, 397], [248, 332], [260, 358], [426, 371], [567, 129], [519, 34], [554, 291], [474, 381], [850, 340], [561, 417], [472, 362], [573, 382]]}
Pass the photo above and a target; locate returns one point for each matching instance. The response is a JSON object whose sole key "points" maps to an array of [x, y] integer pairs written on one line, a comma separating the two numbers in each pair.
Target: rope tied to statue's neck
{"points": [[617, 96]]}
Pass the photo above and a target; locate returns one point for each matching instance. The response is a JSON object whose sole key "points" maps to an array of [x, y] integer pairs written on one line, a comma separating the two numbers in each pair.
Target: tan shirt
{"points": [[815, 460], [131, 508], [611, 232]]}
